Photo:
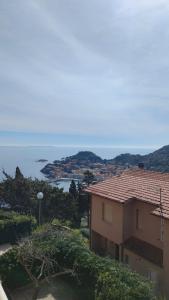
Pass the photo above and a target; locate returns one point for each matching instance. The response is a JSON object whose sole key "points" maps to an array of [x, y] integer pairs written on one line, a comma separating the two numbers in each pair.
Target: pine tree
{"points": [[18, 174], [72, 189]]}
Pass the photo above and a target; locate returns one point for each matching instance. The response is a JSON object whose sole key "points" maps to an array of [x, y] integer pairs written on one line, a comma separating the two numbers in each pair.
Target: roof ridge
{"points": [[154, 175]]}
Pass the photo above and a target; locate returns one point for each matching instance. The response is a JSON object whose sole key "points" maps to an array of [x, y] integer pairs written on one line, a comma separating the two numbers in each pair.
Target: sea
{"points": [[26, 158]]}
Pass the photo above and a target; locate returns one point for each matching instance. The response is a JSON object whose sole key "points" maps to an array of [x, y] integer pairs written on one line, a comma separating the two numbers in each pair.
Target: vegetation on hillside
{"points": [[84, 156], [157, 160]]}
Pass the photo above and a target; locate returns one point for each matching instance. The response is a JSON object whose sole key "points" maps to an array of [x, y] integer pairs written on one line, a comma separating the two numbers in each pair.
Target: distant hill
{"points": [[83, 156], [66, 165], [157, 160]]}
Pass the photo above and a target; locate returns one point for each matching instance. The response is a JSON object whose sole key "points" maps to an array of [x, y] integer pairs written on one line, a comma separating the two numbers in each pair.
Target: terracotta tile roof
{"points": [[137, 184]]}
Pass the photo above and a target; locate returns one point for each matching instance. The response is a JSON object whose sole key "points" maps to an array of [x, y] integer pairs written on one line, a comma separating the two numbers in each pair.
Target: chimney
{"points": [[141, 165]]}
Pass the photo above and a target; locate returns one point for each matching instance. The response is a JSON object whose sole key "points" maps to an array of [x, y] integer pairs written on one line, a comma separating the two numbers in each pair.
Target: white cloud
{"points": [[85, 67]]}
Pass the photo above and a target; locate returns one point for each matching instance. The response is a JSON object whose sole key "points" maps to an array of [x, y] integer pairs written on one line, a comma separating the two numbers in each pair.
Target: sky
{"points": [[93, 72]]}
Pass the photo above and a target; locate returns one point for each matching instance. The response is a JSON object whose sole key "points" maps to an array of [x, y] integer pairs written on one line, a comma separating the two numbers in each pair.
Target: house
{"points": [[130, 222]]}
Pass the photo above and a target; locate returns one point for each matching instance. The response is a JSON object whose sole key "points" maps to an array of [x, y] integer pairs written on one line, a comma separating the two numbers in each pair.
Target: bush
{"points": [[125, 285], [85, 232], [109, 279], [12, 273], [13, 226]]}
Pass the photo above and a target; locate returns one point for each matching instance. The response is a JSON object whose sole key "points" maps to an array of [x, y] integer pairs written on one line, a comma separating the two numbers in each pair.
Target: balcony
{"points": [[145, 250]]}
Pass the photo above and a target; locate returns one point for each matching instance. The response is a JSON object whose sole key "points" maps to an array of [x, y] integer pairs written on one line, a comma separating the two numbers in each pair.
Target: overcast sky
{"points": [[84, 72]]}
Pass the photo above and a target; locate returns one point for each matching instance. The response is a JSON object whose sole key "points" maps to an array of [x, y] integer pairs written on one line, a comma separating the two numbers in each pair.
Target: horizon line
{"points": [[84, 146]]}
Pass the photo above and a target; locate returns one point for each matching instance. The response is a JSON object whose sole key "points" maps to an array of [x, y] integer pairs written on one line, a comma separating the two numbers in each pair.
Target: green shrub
{"points": [[11, 272], [122, 283], [13, 226], [125, 285], [109, 279], [85, 232]]}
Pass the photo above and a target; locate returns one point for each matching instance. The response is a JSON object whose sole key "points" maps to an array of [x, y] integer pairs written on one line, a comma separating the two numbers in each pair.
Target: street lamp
{"points": [[40, 197]]}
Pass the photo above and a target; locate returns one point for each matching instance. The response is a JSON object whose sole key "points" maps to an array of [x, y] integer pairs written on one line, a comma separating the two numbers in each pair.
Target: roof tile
{"points": [[137, 184]]}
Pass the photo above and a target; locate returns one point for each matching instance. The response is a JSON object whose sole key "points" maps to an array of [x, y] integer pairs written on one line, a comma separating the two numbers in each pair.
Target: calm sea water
{"points": [[26, 157]]}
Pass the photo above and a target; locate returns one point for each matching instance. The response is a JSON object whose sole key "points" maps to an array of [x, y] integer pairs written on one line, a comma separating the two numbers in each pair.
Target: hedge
{"points": [[13, 226], [110, 279], [107, 279]]}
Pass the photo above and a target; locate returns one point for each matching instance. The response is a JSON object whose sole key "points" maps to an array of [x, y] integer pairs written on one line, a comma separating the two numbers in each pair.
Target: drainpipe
{"points": [[90, 219], [121, 246]]}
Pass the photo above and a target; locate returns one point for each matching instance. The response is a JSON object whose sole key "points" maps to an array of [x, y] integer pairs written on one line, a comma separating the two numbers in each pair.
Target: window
{"points": [[107, 215]]}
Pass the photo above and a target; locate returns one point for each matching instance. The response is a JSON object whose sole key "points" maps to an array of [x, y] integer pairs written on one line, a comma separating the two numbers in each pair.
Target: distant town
{"points": [[75, 166]]}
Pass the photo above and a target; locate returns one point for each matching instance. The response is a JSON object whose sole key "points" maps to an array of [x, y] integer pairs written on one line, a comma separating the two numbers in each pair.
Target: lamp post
{"points": [[39, 197]]}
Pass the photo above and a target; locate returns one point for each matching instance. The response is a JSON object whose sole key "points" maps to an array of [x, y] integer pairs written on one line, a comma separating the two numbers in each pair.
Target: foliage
{"points": [[100, 273], [14, 226], [73, 190], [88, 177], [11, 272], [80, 200], [38, 263], [156, 161], [57, 222], [125, 285], [108, 278], [85, 232], [21, 194], [83, 201], [82, 156]]}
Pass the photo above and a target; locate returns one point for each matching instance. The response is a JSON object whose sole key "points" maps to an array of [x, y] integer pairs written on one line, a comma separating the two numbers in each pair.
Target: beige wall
{"points": [[123, 223], [166, 254], [150, 224], [112, 231], [150, 227], [128, 220]]}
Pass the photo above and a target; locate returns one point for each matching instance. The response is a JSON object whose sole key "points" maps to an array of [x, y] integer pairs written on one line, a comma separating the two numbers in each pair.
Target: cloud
{"points": [[92, 68]]}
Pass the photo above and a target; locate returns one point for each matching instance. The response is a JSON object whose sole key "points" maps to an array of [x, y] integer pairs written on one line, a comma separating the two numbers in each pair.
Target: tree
{"points": [[37, 256], [84, 198], [83, 201], [18, 174], [16, 191], [88, 177], [73, 190], [21, 194]]}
